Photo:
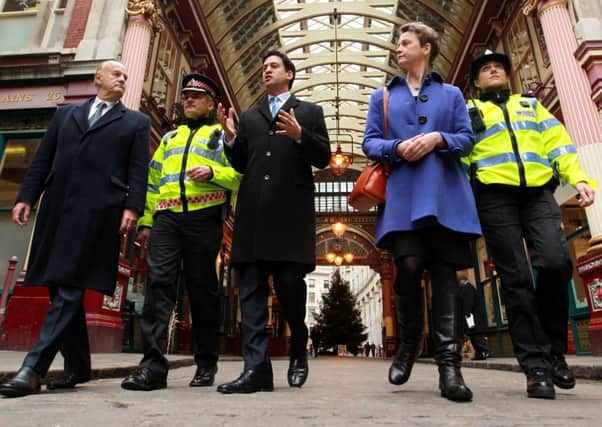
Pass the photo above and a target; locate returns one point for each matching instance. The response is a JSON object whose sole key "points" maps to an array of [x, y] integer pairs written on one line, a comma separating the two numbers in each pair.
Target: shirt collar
{"points": [[282, 97], [426, 80], [97, 101]]}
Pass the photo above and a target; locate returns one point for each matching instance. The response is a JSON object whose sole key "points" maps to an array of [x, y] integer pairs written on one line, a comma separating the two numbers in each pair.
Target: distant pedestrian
{"points": [[475, 324], [373, 349], [367, 349]]}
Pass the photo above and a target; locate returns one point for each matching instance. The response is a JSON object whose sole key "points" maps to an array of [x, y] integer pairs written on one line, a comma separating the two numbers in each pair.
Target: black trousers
{"points": [[289, 284], [64, 329], [194, 239], [537, 315], [479, 343]]}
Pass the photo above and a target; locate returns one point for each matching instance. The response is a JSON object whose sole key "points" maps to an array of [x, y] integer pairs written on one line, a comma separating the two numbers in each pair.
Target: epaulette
{"points": [[169, 135]]}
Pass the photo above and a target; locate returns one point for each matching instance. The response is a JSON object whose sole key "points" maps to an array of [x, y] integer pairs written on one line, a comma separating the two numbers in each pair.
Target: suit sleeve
{"points": [[238, 152], [314, 140], [138, 166], [40, 168]]}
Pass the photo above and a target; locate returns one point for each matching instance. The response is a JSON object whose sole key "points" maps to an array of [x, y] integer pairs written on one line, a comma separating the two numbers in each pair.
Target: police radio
{"points": [[214, 139], [476, 119]]}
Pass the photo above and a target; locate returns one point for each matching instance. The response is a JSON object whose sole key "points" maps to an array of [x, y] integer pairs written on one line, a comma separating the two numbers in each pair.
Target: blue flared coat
{"points": [[435, 189]]}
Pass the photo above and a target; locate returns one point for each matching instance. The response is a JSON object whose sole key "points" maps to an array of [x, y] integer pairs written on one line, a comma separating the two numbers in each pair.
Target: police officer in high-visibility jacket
{"points": [[520, 149], [189, 183]]}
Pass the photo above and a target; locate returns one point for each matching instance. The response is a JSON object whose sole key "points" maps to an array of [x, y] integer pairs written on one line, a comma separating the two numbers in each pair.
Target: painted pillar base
{"points": [[589, 267], [28, 305], [391, 344]]}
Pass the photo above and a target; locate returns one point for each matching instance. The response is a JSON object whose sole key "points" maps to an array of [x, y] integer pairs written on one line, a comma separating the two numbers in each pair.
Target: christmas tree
{"points": [[339, 320]]}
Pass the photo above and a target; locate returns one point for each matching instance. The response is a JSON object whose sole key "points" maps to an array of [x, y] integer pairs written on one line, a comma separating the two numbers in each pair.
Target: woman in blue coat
{"points": [[429, 216]]}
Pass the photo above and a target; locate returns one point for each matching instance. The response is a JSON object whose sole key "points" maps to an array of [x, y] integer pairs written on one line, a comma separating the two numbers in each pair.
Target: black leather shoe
{"points": [[26, 381], [562, 376], [481, 356], [451, 384], [539, 384], [250, 381], [204, 377], [144, 379], [67, 380], [298, 370]]}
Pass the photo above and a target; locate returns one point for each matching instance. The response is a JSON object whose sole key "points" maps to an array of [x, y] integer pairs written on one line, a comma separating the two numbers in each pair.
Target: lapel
{"points": [[113, 114], [264, 109], [291, 102], [80, 114]]}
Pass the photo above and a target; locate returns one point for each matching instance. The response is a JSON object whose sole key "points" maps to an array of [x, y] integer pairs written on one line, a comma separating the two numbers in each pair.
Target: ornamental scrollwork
{"points": [[146, 8]]}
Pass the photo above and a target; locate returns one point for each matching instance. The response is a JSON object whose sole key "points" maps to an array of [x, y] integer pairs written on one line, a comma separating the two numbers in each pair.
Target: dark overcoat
{"points": [[275, 218], [88, 176]]}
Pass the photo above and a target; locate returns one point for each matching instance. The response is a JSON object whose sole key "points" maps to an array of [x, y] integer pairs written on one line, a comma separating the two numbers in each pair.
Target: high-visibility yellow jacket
{"points": [[169, 188], [521, 145]]}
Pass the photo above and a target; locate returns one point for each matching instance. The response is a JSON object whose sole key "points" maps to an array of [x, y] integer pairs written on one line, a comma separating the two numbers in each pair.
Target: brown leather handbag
{"points": [[370, 188]]}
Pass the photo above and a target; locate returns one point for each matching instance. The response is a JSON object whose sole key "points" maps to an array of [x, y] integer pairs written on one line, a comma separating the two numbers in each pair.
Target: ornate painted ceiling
{"points": [[361, 47]]}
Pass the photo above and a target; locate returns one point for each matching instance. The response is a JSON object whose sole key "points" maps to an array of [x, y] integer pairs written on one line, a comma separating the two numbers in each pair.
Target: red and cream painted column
{"points": [[143, 20], [582, 121], [387, 276]]}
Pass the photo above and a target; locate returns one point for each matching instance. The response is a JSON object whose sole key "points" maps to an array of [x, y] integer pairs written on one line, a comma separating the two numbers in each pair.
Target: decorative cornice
{"points": [[529, 7], [549, 5], [147, 9]]}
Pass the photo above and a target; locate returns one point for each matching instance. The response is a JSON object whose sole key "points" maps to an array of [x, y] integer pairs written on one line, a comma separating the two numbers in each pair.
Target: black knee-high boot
{"points": [[410, 317], [448, 334]]}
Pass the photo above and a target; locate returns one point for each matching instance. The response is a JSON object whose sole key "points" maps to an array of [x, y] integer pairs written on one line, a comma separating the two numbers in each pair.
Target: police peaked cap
{"points": [[196, 82], [487, 56]]}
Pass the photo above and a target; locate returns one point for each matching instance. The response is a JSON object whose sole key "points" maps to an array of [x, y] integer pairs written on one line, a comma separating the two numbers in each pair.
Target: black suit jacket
{"points": [[88, 176], [275, 218]]}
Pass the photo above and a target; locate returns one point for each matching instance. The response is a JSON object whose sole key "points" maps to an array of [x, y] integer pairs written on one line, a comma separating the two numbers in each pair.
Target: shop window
{"points": [[575, 227], [165, 78], [524, 67], [16, 158], [20, 5]]}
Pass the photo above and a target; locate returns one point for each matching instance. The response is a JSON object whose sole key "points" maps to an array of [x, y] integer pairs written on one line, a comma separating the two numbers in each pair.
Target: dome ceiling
{"points": [[366, 37]]}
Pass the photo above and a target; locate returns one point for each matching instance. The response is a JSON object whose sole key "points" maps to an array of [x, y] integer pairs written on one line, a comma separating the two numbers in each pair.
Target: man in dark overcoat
{"points": [[91, 166], [275, 146]]}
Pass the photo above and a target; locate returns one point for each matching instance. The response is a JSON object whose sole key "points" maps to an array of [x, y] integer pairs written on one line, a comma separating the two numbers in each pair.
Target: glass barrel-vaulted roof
{"points": [[366, 37]]}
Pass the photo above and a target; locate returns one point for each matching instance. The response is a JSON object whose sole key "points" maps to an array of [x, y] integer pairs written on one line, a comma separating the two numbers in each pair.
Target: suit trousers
{"points": [[64, 329], [190, 240], [289, 284], [537, 313]]}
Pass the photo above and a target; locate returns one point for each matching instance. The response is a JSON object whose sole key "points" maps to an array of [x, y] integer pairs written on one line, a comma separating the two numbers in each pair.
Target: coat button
{"points": [[268, 153], [424, 97], [266, 177], [422, 120], [271, 132]]}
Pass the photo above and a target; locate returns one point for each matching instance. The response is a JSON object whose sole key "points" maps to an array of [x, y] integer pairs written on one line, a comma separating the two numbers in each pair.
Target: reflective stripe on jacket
{"points": [[522, 144], [170, 188]]}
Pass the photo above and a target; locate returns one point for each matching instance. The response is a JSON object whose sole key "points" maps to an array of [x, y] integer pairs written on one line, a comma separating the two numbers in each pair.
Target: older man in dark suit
{"points": [[91, 166], [275, 146]]}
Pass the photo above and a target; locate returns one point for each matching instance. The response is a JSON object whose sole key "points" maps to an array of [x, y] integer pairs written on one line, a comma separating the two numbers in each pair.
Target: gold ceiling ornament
{"points": [[529, 7], [148, 9]]}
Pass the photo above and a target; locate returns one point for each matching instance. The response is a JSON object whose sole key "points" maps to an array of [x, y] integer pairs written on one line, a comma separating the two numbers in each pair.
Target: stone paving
{"points": [[339, 392]]}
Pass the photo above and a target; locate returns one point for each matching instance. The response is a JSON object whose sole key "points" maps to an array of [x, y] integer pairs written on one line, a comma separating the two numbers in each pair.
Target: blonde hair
{"points": [[425, 35]]}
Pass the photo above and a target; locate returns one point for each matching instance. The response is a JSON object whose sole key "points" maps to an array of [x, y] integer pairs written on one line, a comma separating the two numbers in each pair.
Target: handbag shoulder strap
{"points": [[386, 111]]}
